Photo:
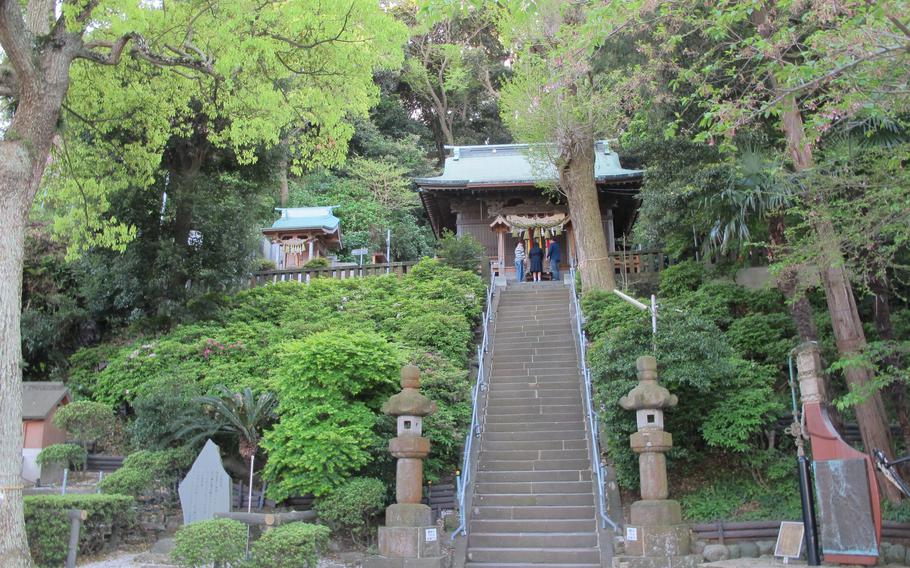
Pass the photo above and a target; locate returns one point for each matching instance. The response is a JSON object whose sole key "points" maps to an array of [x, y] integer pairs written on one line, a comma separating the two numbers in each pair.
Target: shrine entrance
{"points": [[541, 228]]}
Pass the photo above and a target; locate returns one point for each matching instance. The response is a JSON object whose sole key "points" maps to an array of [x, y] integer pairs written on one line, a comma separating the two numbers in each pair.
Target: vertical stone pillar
{"points": [[656, 537], [409, 538]]}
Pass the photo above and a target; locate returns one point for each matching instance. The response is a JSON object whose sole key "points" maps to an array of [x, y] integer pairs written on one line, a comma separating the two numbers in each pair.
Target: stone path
{"points": [[770, 563]]}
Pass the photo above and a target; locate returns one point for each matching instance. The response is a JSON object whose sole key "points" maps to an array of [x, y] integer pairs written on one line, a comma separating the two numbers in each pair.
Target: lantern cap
{"points": [[648, 393]]}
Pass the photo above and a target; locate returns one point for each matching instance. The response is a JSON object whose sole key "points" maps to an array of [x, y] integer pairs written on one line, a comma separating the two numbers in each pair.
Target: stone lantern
{"points": [[409, 538], [656, 537]]}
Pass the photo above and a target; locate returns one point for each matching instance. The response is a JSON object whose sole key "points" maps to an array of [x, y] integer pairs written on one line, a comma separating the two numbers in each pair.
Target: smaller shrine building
{"points": [[302, 234], [501, 194]]}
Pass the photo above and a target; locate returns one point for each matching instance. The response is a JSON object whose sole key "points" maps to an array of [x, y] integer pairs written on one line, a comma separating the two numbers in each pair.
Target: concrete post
{"points": [[656, 537], [409, 537]]}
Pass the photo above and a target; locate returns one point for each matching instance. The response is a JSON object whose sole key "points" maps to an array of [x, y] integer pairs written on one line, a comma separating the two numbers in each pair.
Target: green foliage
{"points": [[218, 541], [85, 420], [159, 413], [463, 252], [330, 386], [766, 338], [604, 311], [48, 525], [681, 277], [334, 345], [320, 262], [351, 506], [147, 472], [724, 401], [295, 545], [71, 456]]}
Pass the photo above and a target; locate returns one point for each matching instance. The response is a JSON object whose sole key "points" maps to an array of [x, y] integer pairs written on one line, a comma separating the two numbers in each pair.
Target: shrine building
{"points": [[501, 194], [302, 234]]}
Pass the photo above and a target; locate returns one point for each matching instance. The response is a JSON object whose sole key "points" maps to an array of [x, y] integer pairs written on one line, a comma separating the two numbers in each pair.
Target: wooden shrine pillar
{"points": [[570, 241], [500, 226], [611, 235]]}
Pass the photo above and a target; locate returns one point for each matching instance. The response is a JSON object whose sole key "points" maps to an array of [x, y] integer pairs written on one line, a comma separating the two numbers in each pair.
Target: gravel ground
{"points": [[128, 560]]}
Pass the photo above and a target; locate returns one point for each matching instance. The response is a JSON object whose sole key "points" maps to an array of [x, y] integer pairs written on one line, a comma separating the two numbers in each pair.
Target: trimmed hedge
{"points": [[221, 542], [351, 506], [48, 526], [295, 545]]}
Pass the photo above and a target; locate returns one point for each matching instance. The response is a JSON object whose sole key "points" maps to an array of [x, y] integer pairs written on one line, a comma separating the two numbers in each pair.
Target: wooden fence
{"points": [[107, 464], [640, 265], [340, 272], [767, 530]]}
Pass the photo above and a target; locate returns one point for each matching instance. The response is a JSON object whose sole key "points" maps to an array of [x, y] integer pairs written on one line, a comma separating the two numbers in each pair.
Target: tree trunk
{"points": [[576, 173], [848, 328], [13, 212], [284, 192]]}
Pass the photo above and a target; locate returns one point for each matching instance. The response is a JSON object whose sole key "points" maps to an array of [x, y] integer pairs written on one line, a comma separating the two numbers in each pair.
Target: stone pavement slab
{"points": [[767, 562]]}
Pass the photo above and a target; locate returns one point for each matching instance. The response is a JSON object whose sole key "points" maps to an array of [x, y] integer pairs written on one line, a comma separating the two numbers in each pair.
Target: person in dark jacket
{"points": [[535, 257], [554, 255]]}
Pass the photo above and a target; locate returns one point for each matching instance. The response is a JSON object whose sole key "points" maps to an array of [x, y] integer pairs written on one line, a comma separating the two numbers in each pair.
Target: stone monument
{"points": [[409, 538], [206, 489], [656, 537]]}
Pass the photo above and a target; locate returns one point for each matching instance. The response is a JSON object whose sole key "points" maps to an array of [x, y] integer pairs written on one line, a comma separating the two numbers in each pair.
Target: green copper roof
{"points": [[306, 218], [517, 163]]}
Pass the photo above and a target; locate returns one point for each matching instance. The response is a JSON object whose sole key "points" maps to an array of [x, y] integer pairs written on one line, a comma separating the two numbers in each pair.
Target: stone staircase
{"points": [[534, 502]]}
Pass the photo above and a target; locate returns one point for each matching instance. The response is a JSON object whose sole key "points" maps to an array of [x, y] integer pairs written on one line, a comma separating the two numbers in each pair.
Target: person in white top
{"points": [[520, 262]]}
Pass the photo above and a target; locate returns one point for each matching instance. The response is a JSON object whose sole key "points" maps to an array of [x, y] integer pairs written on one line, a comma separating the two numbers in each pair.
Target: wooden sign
{"points": [[789, 540]]}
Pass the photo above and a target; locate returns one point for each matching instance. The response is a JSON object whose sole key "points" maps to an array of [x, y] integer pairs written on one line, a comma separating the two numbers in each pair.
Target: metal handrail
{"points": [[592, 416], [463, 479]]}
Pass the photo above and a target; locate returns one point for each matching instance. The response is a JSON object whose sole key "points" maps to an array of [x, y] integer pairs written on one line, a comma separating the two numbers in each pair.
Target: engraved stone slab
{"points": [[206, 489], [845, 507]]}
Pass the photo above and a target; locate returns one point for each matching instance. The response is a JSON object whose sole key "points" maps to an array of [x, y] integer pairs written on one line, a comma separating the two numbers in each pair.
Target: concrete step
{"points": [[531, 349], [542, 426], [505, 391], [534, 378], [536, 465], [488, 445], [503, 403], [535, 555], [569, 418], [560, 386], [524, 565], [519, 540], [532, 487], [523, 436], [562, 363], [537, 408], [492, 456], [525, 476], [562, 500], [535, 512], [532, 526]]}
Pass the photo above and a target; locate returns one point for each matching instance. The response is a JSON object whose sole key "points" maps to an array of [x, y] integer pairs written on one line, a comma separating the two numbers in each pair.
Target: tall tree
{"points": [[313, 66], [801, 67], [453, 70], [559, 96]]}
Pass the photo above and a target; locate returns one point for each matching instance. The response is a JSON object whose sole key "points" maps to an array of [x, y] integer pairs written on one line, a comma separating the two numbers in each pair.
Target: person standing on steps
{"points": [[555, 255], [520, 262], [535, 256]]}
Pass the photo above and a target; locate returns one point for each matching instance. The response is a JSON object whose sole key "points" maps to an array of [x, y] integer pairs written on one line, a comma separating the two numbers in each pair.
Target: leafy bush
{"points": [[255, 343], [320, 262], [147, 471], [295, 545], [159, 411], [604, 311], [70, 456], [766, 338], [48, 526], [330, 386], [85, 420], [681, 277], [463, 252], [731, 496], [352, 505], [221, 542]]}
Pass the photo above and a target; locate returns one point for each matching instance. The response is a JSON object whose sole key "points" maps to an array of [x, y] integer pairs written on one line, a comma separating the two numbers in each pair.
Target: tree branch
{"points": [[141, 50], [311, 45], [16, 40]]}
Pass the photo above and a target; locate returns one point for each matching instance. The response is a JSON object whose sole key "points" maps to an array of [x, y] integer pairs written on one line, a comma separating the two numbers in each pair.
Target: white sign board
{"points": [[360, 252], [431, 535], [631, 533]]}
